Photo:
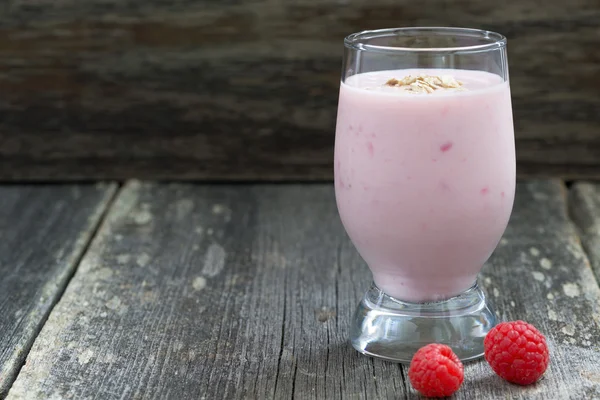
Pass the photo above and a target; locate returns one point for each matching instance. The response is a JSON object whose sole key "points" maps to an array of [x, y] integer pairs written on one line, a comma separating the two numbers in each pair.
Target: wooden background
{"points": [[247, 89]]}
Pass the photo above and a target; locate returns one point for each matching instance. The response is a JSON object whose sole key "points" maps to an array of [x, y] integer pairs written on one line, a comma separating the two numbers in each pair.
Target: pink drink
{"points": [[425, 182]]}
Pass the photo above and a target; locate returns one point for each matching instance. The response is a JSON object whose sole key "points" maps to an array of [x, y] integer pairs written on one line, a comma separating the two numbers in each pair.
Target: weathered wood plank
{"points": [[43, 233], [198, 89], [584, 206], [247, 291]]}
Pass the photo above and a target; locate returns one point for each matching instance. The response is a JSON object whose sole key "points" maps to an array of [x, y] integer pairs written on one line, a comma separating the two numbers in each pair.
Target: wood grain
{"points": [[585, 210], [246, 292], [247, 90], [43, 233]]}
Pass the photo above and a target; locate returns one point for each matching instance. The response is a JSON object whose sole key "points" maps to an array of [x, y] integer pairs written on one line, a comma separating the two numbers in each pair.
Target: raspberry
{"points": [[436, 371], [517, 352]]}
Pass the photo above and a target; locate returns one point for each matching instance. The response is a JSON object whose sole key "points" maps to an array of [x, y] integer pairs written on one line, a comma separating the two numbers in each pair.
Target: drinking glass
{"points": [[424, 182]]}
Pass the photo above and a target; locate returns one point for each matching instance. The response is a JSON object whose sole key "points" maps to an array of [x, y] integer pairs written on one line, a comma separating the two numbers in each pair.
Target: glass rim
{"points": [[356, 41]]}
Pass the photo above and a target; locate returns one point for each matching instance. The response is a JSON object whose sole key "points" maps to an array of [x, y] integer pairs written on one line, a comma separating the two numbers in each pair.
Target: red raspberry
{"points": [[436, 371], [517, 352]]}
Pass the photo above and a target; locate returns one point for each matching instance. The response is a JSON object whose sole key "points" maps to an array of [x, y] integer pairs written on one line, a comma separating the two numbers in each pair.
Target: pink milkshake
{"points": [[425, 181]]}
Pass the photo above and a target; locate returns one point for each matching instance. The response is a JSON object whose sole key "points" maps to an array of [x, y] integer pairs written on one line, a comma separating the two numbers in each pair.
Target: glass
{"points": [[424, 182]]}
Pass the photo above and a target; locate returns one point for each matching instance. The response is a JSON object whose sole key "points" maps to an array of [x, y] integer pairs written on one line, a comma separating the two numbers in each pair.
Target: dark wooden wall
{"points": [[247, 89]]}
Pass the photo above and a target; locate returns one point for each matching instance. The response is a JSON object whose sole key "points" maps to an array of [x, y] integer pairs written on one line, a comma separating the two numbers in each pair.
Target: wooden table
{"points": [[183, 291]]}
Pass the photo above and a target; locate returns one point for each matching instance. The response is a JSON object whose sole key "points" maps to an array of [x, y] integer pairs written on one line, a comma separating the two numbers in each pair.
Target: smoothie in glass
{"points": [[424, 181]]}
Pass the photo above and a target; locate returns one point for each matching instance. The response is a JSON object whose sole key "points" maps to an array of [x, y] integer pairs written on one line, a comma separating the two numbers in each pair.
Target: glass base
{"points": [[394, 330]]}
